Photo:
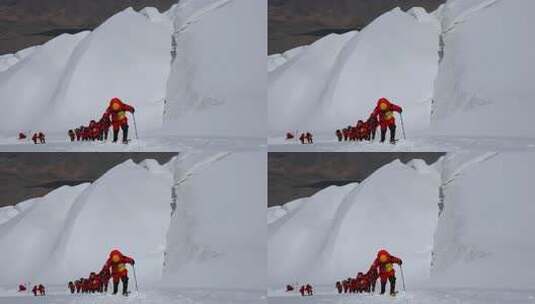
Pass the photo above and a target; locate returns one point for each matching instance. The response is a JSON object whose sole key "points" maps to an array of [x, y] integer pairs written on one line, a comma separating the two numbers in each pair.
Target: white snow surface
{"points": [[217, 81], [153, 141], [70, 231], [475, 249], [337, 232], [483, 81], [69, 80], [215, 88], [338, 80], [28, 239], [483, 236], [210, 249], [417, 141], [461, 72], [214, 237], [59, 295], [326, 295], [217, 237]]}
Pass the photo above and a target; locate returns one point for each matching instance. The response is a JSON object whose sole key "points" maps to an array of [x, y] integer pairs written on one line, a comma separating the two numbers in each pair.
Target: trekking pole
{"points": [[402, 278], [402, 126], [135, 278], [135, 125]]}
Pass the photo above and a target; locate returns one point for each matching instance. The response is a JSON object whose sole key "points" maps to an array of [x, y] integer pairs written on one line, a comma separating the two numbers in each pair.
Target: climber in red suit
{"points": [[384, 263], [117, 262], [385, 113], [116, 112]]}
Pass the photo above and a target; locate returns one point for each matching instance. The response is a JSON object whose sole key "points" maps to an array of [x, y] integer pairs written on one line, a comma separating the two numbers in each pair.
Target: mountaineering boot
{"points": [[125, 286], [115, 287], [125, 134], [392, 134], [115, 135], [392, 286]]}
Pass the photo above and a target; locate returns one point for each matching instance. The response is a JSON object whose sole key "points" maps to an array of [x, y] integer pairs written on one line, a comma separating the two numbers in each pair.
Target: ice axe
{"points": [[402, 278], [402, 126]]}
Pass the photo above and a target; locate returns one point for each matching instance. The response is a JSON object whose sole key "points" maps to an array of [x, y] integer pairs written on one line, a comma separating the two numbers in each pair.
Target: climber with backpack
{"points": [[116, 112], [117, 262], [385, 265], [384, 113]]}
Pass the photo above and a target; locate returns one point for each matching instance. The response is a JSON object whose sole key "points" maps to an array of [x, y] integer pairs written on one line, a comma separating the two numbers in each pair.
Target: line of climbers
{"points": [[382, 268], [115, 117], [382, 117], [114, 268]]}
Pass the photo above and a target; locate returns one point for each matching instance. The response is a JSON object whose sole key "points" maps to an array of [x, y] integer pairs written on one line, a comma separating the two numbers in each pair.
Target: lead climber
{"points": [[384, 262], [117, 111], [116, 262], [385, 111]]}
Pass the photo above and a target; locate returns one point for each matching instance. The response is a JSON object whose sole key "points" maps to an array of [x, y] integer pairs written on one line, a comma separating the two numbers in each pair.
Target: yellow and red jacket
{"points": [[385, 111], [117, 111], [117, 262], [385, 263]]}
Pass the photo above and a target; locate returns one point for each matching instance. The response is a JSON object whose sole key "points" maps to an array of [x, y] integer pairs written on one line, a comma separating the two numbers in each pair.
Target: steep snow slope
{"points": [[217, 81], [214, 87], [301, 80], [70, 79], [29, 238], [127, 56], [483, 81], [217, 237], [135, 221], [475, 72], [337, 232], [74, 228], [27, 87], [483, 235], [396, 57]]}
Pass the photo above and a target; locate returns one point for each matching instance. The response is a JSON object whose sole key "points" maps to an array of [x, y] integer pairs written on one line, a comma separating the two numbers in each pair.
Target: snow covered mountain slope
{"points": [[27, 87], [69, 232], [290, 107], [460, 72], [335, 82], [483, 81], [186, 221], [28, 239], [483, 237], [217, 237], [215, 86], [217, 82], [70, 80], [480, 239], [337, 232]]}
